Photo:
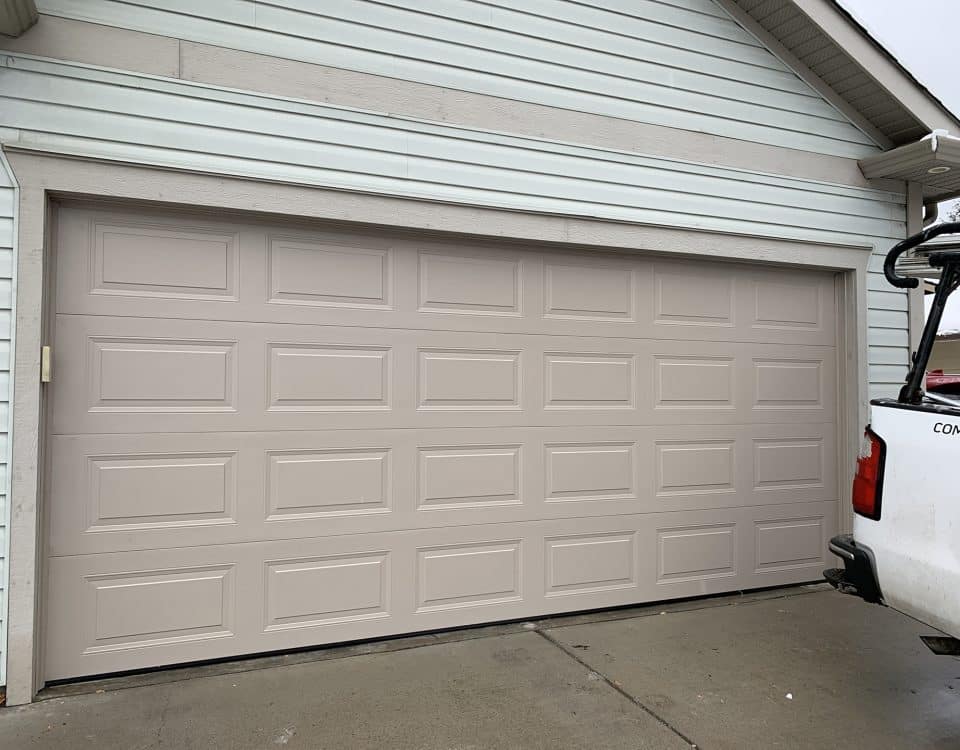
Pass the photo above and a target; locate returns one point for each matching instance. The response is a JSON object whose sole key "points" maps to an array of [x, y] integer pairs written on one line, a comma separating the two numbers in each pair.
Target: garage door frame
{"points": [[46, 179]]}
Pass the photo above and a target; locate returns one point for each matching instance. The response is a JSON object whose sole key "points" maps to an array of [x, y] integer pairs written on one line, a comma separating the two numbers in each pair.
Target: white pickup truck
{"points": [[905, 548]]}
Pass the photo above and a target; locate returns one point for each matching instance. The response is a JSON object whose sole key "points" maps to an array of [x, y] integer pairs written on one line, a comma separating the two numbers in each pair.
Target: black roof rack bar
{"points": [[941, 258], [890, 264], [949, 262]]}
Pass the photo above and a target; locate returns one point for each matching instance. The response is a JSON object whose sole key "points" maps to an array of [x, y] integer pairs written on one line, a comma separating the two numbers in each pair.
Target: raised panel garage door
{"points": [[266, 436]]}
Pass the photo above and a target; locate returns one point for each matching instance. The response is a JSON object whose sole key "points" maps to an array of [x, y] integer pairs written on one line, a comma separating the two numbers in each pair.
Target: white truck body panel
{"points": [[916, 543]]}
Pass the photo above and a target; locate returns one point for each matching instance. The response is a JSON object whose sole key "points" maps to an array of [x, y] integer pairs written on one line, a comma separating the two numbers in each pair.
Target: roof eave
{"points": [[933, 162], [879, 63]]}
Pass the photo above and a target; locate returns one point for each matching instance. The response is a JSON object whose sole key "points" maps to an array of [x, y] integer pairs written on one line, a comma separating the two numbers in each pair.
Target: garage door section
{"points": [[267, 436]]}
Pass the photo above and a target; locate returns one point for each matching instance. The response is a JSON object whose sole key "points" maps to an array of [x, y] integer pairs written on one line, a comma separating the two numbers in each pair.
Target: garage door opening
{"points": [[268, 435]]}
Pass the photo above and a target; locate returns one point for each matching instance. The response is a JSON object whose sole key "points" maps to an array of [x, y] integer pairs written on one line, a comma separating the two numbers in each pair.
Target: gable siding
{"points": [[685, 64], [80, 109]]}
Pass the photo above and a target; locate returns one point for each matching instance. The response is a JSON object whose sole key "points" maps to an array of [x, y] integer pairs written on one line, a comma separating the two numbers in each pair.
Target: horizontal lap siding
{"points": [[888, 335], [216, 130], [684, 64], [86, 111], [6, 275]]}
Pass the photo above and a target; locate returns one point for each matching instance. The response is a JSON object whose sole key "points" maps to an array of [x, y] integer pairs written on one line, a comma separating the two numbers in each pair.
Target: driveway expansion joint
{"points": [[618, 688]]}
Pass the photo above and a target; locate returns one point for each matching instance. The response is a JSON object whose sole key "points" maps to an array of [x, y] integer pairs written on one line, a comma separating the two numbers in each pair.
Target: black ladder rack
{"points": [[946, 258]]}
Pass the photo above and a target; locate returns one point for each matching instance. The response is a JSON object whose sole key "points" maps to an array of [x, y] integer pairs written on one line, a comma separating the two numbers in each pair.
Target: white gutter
{"points": [[933, 162]]}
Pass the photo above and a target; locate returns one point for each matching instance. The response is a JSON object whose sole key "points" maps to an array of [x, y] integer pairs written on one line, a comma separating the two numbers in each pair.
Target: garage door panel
{"points": [[329, 272], [484, 282], [114, 262], [698, 296], [485, 316], [122, 256], [607, 291], [105, 614], [791, 301], [129, 374], [347, 592], [170, 266], [125, 492], [269, 436], [133, 610]]}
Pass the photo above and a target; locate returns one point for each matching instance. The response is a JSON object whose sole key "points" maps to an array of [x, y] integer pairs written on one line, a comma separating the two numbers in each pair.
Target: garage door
{"points": [[264, 436]]}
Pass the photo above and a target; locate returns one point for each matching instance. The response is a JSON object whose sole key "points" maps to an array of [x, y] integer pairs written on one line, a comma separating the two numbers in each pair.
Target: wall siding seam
{"points": [[828, 112], [758, 62], [682, 25], [688, 45], [685, 12], [705, 8]]}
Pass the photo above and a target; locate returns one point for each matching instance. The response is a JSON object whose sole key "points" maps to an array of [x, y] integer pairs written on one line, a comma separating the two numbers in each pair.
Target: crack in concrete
{"points": [[163, 720], [618, 688]]}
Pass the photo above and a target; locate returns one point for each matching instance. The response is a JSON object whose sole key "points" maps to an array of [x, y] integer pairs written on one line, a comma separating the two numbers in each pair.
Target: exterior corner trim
{"points": [[6, 489]]}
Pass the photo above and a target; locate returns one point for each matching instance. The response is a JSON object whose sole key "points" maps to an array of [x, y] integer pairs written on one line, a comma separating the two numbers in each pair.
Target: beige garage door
{"points": [[265, 436]]}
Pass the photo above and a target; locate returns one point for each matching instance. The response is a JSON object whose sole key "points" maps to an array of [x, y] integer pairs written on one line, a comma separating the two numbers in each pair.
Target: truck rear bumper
{"points": [[858, 575]]}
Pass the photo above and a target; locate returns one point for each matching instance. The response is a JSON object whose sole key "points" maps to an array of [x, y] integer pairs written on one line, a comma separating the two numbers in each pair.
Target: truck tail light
{"points": [[868, 481]]}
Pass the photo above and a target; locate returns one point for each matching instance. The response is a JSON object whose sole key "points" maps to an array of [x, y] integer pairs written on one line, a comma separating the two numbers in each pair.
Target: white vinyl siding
{"points": [[888, 355], [7, 209], [683, 64], [141, 119]]}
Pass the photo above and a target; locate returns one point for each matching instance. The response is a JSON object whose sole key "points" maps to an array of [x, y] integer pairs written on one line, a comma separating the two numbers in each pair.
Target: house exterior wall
{"points": [[684, 64], [743, 146]]}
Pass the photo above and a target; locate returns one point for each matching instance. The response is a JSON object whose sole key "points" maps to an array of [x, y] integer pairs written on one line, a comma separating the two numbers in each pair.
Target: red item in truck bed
{"points": [[940, 382]]}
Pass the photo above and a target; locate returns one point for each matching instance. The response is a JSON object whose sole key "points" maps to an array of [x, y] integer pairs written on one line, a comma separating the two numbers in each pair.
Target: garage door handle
{"points": [[45, 369]]}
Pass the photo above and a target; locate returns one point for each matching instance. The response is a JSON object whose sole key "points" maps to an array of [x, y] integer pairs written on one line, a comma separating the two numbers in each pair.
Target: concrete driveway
{"points": [[795, 668]]}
